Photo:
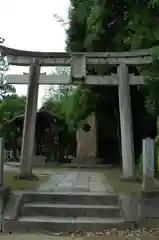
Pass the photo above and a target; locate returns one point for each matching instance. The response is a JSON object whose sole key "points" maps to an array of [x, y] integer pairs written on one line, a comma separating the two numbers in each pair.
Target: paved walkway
{"points": [[76, 181], [9, 168]]}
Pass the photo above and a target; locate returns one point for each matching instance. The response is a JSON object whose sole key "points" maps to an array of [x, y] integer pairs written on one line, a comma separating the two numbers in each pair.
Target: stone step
{"points": [[68, 210], [70, 225], [84, 198]]}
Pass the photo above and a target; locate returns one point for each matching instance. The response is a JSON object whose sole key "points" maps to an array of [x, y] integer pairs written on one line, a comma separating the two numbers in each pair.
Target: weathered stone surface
{"points": [[86, 141], [4, 195], [38, 160], [13, 206], [150, 208], [77, 200], [130, 204], [89, 198], [69, 225], [148, 163], [68, 210], [82, 181], [85, 211]]}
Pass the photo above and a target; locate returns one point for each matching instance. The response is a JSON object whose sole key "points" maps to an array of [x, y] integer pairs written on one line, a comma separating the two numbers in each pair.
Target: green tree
{"points": [[5, 89], [69, 102], [112, 25], [10, 107], [99, 25], [105, 26]]}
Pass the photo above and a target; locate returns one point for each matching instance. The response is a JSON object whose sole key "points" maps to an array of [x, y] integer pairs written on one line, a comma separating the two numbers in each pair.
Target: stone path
{"points": [[74, 181], [9, 168]]}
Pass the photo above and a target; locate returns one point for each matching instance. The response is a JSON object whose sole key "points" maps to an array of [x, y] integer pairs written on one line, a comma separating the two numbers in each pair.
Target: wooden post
{"points": [[128, 161], [28, 139], [148, 156]]}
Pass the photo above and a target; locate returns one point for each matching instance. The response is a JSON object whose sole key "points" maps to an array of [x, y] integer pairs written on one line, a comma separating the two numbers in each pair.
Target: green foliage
{"points": [[10, 107], [99, 25], [155, 3], [152, 87], [5, 89], [104, 25], [70, 104], [10, 104]]}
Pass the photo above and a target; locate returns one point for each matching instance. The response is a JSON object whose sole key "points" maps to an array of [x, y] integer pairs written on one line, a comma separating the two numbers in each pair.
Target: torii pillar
{"points": [[28, 138], [127, 144]]}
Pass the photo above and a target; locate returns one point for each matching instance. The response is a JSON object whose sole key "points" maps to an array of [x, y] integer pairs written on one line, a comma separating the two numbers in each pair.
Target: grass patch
{"points": [[10, 181], [114, 179]]}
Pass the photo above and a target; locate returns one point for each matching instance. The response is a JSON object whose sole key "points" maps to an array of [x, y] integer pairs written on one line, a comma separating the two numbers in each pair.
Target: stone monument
{"points": [[86, 141], [148, 163]]}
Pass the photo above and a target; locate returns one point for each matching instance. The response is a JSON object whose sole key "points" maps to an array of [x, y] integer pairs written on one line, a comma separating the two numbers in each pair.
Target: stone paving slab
{"points": [[80, 181]]}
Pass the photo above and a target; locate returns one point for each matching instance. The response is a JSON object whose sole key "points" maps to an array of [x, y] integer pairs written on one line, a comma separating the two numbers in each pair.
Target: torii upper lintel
{"points": [[24, 58]]}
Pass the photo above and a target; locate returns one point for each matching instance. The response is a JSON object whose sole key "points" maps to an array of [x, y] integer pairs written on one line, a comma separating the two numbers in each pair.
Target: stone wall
{"points": [[86, 140]]}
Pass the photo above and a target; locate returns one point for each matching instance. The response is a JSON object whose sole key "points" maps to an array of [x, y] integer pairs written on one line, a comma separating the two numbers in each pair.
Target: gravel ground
{"points": [[114, 234]]}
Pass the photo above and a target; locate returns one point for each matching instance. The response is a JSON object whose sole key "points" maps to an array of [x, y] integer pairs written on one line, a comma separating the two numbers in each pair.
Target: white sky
{"points": [[30, 25]]}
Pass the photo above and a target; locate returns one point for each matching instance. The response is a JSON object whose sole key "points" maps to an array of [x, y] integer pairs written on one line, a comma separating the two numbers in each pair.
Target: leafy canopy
{"points": [[99, 25], [5, 89]]}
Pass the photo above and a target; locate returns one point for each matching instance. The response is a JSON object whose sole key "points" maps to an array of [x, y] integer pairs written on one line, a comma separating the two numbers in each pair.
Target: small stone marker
{"points": [[148, 156]]}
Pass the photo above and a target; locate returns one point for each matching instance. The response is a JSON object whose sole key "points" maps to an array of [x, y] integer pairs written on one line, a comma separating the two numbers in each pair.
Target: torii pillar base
{"points": [[27, 177], [131, 179]]}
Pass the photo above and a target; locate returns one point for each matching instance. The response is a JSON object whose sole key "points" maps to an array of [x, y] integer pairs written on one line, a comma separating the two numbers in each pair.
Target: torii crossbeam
{"points": [[78, 63]]}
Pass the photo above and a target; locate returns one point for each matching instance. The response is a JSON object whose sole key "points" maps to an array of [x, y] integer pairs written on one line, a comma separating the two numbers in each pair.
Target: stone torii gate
{"points": [[78, 63]]}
